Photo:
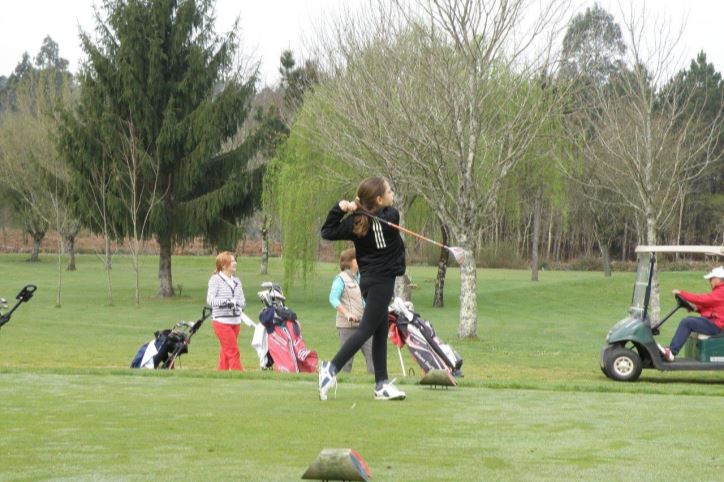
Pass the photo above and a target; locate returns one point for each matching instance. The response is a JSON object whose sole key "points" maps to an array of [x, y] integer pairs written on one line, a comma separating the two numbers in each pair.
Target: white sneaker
{"points": [[666, 353], [326, 381], [668, 356], [388, 391]]}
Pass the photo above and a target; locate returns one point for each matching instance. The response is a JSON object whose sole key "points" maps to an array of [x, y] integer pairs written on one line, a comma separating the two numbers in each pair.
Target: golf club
{"points": [[457, 252]]}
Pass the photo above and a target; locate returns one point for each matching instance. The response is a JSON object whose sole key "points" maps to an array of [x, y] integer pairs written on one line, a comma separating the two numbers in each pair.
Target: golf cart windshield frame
{"points": [[642, 286], [645, 272]]}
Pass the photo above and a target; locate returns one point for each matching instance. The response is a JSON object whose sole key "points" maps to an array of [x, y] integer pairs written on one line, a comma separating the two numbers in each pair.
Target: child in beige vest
{"points": [[346, 297]]}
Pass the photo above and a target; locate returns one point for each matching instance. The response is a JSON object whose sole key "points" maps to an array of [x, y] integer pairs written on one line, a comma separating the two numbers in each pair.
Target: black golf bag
{"points": [[429, 351], [167, 345]]}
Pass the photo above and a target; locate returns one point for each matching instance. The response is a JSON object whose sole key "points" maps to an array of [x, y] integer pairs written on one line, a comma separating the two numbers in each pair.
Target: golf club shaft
{"points": [[404, 230]]}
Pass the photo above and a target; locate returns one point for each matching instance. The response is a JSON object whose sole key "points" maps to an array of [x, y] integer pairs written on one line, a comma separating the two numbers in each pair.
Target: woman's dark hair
{"points": [[367, 193]]}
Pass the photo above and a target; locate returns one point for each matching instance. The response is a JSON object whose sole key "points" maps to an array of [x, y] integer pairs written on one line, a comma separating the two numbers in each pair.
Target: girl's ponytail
{"points": [[361, 225], [367, 193]]}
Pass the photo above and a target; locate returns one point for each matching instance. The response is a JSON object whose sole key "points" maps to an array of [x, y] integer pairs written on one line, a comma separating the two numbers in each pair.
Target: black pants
{"points": [[377, 293]]}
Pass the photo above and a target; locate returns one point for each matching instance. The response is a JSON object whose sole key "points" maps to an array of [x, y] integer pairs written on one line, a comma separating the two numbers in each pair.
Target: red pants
{"points": [[229, 353]]}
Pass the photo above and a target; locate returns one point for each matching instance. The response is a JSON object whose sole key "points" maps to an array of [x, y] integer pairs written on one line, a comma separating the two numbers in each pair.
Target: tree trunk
{"points": [[534, 241], [60, 274], [550, 235], [165, 282], [264, 268], [70, 245], [37, 240], [403, 288], [624, 244], [680, 223], [438, 300], [109, 260], [468, 327], [606, 258], [655, 300]]}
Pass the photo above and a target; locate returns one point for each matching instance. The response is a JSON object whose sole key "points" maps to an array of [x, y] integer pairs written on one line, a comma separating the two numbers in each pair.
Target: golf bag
{"points": [[167, 345], [23, 296], [429, 351], [278, 337]]}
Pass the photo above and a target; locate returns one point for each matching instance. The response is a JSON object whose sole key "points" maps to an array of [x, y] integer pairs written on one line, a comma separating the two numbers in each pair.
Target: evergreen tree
{"points": [[701, 218], [22, 71], [593, 46], [161, 76], [296, 81], [703, 85]]}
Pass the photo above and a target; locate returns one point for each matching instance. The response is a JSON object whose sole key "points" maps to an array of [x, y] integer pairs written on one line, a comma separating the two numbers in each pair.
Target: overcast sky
{"points": [[270, 26]]}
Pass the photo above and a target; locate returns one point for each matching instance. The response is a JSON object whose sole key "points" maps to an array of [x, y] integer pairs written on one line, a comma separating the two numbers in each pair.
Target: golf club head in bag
{"points": [[402, 308], [271, 295]]}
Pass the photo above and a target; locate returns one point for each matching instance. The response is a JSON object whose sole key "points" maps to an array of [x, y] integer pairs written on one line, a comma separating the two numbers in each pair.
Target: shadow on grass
{"points": [[679, 379]]}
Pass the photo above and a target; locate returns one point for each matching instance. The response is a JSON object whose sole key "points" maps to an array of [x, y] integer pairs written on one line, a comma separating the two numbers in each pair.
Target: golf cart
{"points": [[23, 297], [630, 345]]}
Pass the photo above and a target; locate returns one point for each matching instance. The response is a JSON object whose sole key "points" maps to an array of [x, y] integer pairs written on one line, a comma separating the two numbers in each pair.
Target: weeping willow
{"points": [[304, 181], [297, 196]]}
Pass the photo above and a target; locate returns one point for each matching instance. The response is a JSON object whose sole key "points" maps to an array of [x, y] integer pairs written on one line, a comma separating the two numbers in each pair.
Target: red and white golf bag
{"points": [[278, 337], [429, 351]]}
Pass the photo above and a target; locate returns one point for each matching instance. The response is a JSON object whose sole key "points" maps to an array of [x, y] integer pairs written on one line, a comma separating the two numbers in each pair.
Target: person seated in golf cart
{"points": [[709, 305]]}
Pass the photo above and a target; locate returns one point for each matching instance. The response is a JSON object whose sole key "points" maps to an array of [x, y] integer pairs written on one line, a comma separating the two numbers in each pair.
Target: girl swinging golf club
{"points": [[381, 257]]}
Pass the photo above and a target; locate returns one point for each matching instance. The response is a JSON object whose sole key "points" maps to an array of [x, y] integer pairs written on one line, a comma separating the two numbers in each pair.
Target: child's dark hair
{"points": [[367, 193], [345, 258]]}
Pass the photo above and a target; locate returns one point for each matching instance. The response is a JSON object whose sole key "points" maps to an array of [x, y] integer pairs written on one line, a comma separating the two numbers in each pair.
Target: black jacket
{"points": [[381, 253]]}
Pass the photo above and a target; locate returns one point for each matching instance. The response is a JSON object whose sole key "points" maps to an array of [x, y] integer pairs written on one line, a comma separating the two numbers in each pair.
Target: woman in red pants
{"points": [[226, 298]]}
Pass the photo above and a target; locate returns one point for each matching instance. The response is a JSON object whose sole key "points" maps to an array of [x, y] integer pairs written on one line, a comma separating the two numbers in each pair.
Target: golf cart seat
{"points": [[701, 336], [705, 348]]}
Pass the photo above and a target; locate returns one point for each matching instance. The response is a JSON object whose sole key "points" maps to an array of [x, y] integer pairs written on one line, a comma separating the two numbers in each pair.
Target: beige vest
{"points": [[351, 299]]}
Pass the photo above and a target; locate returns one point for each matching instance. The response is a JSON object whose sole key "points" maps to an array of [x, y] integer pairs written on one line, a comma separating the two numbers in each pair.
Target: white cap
{"points": [[717, 272]]}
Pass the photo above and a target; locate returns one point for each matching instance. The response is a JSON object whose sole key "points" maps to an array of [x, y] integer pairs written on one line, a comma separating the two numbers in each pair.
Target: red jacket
{"points": [[709, 305]]}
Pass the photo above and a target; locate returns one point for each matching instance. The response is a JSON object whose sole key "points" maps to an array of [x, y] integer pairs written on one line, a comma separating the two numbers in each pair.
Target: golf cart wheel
{"points": [[623, 365]]}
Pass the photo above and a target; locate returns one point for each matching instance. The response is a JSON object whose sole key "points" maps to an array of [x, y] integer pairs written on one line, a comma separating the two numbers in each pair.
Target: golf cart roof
{"points": [[709, 250]]}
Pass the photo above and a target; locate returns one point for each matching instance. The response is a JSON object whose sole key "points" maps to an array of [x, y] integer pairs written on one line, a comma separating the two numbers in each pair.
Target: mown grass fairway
{"points": [[533, 404]]}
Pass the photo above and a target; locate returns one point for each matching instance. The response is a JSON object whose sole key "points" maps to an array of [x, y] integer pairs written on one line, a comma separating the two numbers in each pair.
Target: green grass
{"points": [[533, 404]]}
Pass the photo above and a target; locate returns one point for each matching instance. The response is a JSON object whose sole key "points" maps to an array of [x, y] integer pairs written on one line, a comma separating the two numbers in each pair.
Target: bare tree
{"points": [[32, 169], [138, 173], [443, 99], [101, 176], [648, 140]]}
